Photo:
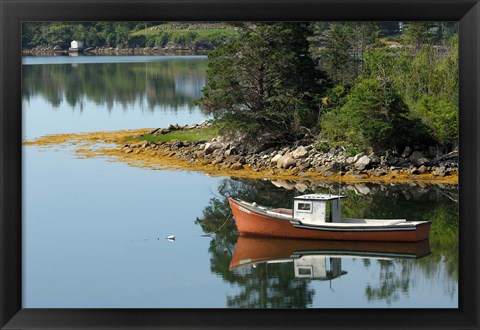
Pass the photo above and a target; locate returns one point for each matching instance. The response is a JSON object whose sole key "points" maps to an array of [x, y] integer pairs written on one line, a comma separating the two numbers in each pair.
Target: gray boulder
{"points": [[300, 152], [358, 156], [211, 147], [414, 171], [286, 162], [390, 160], [416, 155], [422, 169], [276, 158], [232, 151], [374, 159], [440, 171], [362, 163], [418, 159]]}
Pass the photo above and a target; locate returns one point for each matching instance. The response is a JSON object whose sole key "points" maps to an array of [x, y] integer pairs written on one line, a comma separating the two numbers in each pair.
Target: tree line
{"points": [[120, 35], [363, 86]]}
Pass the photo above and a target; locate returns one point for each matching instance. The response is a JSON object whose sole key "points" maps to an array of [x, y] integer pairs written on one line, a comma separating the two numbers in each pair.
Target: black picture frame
{"points": [[14, 12]]}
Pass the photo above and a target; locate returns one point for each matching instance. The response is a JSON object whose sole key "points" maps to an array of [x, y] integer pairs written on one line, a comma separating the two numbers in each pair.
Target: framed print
{"points": [[240, 164]]}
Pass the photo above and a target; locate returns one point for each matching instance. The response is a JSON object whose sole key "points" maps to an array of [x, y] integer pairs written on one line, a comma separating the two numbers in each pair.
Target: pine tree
{"points": [[264, 85]]}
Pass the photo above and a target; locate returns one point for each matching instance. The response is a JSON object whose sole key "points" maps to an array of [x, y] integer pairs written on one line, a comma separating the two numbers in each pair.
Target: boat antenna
{"points": [[340, 181], [331, 286]]}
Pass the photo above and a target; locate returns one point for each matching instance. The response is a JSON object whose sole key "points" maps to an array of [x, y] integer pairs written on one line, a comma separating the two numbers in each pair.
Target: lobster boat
{"points": [[318, 216]]}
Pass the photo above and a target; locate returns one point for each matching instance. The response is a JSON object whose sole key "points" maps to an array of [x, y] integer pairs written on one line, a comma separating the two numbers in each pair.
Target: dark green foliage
{"points": [[424, 80], [336, 57], [389, 29], [431, 90], [374, 116], [441, 116], [334, 98], [445, 31], [418, 34], [341, 48], [264, 85]]}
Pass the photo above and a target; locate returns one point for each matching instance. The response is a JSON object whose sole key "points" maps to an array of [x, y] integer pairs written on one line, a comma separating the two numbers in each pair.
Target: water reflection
{"points": [[171, 83], [322, 260], [250, 251], [251, 263]]}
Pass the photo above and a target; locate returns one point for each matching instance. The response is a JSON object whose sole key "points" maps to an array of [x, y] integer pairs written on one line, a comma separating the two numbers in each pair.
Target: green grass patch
{"points": [[208, 37], [206, 133]]}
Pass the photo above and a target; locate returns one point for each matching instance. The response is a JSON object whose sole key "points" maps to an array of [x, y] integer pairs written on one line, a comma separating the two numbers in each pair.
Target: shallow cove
{"points": [[95, 231]]}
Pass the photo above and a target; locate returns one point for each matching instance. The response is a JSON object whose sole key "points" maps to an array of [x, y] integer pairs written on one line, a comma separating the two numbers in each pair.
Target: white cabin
{"points": [[76, 45], [316, 209], [318, 267]]}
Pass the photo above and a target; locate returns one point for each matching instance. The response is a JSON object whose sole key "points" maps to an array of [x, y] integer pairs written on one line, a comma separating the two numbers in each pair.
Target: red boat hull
{"points": [[251, 250], [250, 222]]}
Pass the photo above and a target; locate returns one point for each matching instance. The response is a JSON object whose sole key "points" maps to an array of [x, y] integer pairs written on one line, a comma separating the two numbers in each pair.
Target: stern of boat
{"points": [[423, 230]]}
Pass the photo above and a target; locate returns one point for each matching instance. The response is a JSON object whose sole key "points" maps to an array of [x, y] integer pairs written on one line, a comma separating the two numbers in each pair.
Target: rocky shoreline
{"points": [[301, 159]]}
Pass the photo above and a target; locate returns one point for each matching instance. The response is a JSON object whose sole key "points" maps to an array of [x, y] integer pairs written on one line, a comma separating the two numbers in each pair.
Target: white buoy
{"points": [[171, 237]]}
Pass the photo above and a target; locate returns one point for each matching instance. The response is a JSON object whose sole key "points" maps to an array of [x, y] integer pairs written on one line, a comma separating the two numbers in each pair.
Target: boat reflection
{"points": [[316, 259]]}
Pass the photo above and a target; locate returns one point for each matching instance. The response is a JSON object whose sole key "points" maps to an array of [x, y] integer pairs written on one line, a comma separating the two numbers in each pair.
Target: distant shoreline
{"points": [[117, 51]]}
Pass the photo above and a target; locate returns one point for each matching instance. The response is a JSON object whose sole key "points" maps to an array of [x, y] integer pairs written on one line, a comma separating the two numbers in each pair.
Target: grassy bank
{"points": [[192, 135]]}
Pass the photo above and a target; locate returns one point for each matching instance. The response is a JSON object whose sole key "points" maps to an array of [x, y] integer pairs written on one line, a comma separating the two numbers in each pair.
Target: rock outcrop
{"points": [[300, 160]]}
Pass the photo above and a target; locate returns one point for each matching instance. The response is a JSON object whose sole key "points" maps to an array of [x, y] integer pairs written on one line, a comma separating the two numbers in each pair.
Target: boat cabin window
{"points": [[304, 271], [304, 207]]}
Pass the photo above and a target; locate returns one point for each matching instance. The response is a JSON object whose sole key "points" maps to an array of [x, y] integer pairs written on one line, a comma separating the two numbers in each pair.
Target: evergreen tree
{"points": [[336, 58], [364, 37], [264, 86], [418, 34], [344, 44]]}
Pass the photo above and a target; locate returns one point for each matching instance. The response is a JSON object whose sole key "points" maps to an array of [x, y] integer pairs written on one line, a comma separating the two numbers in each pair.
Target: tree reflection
{"points": [[389, 283], [436, 204], [275, 285], [267, 286], [272, 286], [169, 83]]}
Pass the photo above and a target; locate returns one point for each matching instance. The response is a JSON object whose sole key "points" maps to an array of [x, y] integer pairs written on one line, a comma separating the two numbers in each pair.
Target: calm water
{"points": [[94, 231]]}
